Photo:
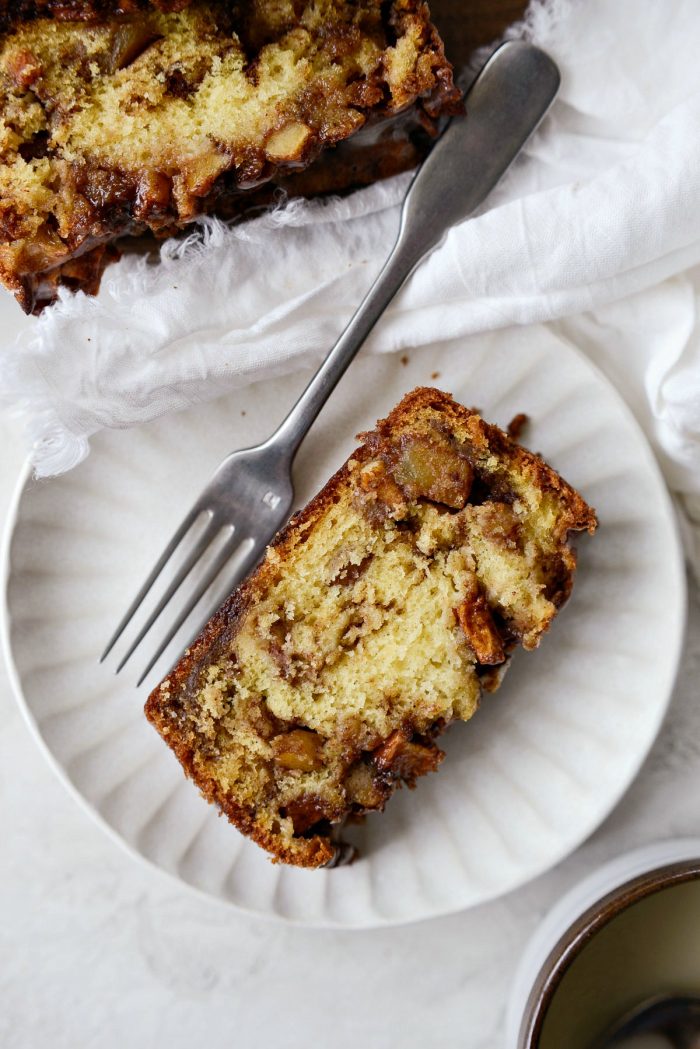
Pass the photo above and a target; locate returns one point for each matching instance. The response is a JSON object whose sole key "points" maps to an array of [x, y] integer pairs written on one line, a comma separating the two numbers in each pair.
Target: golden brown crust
{"points": [[402, 755]]}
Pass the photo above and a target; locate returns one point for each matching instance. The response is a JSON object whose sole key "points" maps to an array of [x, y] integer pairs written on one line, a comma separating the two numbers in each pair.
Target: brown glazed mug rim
{"points": [[582, 930]]}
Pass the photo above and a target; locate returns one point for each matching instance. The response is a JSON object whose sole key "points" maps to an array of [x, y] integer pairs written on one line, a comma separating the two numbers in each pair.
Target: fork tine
{"points": [[222, 557], [212, 529], [160, 564]]}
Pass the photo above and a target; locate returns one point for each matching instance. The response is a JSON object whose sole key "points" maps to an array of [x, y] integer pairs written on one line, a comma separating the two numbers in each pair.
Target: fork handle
{"points": [[505, 104]]}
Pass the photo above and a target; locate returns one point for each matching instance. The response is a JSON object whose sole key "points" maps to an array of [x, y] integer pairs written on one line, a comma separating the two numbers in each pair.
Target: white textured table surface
{"points": [[98, 950]]}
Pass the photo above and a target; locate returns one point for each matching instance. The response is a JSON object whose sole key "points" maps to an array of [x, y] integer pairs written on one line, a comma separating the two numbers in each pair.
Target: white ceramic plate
{"points": [[525, 782]]}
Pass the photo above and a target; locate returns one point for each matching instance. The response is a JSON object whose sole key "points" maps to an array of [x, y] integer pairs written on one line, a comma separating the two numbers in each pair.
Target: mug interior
{"points": [[639, 941]]}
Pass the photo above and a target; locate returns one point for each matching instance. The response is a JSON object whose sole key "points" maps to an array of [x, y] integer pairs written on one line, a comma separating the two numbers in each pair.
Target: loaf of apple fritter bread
{"points": [[143, 121], [378, 616]]}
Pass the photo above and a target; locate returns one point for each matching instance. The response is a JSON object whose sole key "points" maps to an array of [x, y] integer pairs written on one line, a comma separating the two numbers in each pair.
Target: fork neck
{"points": [[293, 429]]}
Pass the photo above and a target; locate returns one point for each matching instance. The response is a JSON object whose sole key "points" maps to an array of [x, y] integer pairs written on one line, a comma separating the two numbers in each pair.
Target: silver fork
{"points": [[250, 495]]}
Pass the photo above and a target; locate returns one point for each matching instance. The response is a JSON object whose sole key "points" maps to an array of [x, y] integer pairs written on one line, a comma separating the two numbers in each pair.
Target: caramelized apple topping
{"points": [[475, 619], [404, 758], [288, 142], [130, 40], [431, 468], [23, 68], [363, 789], [299, 749]]}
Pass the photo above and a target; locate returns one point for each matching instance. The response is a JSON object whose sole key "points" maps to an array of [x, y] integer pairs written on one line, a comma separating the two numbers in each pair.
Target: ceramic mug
{"points": [[628, 932]]}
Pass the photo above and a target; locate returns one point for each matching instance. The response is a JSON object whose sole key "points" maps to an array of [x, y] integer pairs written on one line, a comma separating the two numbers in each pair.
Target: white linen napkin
{"points": [[596, 229]]}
